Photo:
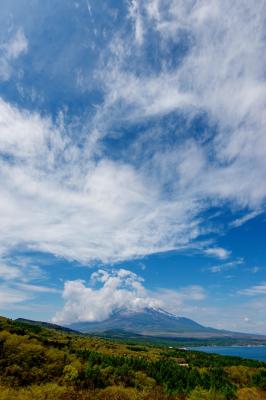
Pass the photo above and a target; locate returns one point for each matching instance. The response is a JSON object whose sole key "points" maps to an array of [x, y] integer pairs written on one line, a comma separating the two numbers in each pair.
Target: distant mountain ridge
{"points": [[156, 323], [152, 324], [47, 325]]}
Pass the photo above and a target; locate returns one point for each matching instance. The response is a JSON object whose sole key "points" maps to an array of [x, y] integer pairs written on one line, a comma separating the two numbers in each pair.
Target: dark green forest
{"points": [[38, 363]]}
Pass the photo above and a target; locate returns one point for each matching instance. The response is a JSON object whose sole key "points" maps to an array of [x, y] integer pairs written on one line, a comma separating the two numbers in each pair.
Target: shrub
{"points": [[203, 394]]}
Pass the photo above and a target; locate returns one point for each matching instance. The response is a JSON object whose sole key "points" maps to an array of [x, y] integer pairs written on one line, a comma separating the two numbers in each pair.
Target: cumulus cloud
{"points": [[109, 291], [119, 289]]}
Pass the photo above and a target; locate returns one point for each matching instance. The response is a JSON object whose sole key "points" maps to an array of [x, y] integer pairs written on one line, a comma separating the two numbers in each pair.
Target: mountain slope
{"points": [[153, 322], [145, 322], [47, 325]]}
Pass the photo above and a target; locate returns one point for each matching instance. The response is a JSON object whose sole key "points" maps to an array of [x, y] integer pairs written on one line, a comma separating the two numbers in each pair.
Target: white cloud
{"points": [[135, 14], [17, 45], [66, 196], [112, 290], [181, 302], [18, 279], [12, 269], [62, 193], [11, 296], [255, 290], [148, 97], [10, 51], [8, 272], [55, 199], [218, 252], [245, 218], [36, 288], [120, 289], [226, 266], [222, 74]]}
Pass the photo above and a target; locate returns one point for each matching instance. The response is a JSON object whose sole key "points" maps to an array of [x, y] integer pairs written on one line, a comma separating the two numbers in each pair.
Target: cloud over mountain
{"points": [[119, 289]]}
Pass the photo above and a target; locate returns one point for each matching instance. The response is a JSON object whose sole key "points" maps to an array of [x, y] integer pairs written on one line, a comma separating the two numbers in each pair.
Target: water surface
{"points": [[253, 352]]}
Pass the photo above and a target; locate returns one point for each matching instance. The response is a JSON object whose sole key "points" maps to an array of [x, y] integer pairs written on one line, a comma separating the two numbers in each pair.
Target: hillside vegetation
{"points": [[38, 363]]}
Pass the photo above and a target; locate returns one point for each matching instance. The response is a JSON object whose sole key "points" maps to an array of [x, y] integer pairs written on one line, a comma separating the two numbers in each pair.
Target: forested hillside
{"points": [[38, 363]]}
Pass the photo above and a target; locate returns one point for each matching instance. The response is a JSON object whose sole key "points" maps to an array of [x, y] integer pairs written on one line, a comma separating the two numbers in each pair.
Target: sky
{"points": [[133, 160]]}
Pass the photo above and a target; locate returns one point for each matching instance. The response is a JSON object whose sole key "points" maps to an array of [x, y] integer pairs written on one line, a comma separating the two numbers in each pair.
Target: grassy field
{"points": [[38, 363]]}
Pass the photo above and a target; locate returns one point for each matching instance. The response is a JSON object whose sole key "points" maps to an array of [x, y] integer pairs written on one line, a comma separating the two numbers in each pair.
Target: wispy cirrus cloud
{"points": [[65, 191], [10, 50], [20, 282], [10, 297], [15, 270], [255, 290], [226, 266], [245, 218], [9, 272]]}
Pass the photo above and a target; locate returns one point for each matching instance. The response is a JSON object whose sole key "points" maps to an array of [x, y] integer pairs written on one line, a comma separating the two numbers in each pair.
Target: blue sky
{"points": [[132, 160]]}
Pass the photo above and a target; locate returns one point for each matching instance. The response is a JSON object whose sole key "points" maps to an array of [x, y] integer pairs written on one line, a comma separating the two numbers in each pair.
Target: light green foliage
{"points": [[142, 381], [202, 394], [49, 391], [241, 375], [118, 393], [71, 374]]}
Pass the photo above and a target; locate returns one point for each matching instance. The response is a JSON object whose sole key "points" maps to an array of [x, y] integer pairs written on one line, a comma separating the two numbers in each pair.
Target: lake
{"points": [[253, 352]]}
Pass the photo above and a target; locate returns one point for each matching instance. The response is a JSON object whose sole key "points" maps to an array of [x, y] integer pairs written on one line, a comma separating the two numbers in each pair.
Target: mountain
{"points": [[148, 321], [156, 323], [47, 325]]}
